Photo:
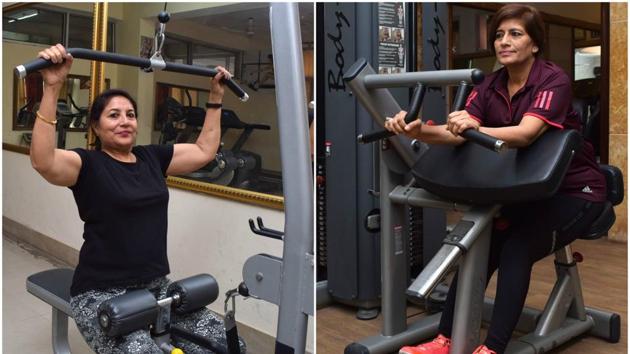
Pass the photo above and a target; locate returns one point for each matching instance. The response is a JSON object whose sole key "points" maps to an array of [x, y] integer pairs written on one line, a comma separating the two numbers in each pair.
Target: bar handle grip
{"points": [[473, 135], [412, 114], [81, 53]]}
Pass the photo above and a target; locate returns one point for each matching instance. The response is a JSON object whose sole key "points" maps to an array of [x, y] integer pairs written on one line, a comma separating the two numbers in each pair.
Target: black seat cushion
{"points": [[53, 287], [472, 174]]}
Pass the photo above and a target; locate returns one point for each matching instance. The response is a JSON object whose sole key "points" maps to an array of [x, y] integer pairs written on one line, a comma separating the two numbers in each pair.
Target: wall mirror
{"points": [[242, 161], [72, 109]]}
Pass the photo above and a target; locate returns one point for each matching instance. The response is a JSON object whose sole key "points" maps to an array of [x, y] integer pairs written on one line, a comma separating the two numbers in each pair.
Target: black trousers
{"points": [[522, 235]]}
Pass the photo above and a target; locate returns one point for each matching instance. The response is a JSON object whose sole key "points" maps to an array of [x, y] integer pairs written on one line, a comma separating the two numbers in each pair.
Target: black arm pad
{"points": [[195, 292], [128, 312]]}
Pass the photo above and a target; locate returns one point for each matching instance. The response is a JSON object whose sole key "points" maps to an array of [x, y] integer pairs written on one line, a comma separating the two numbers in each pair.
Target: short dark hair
{"points": [[101, 101], [534, 25]]}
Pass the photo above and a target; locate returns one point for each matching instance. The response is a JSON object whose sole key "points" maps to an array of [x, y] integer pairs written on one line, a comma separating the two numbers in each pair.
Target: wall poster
{"points": [[391, 38]]}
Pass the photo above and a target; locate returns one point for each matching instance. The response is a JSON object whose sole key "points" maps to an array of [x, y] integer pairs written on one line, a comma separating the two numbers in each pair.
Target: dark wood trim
{"points": [[545, 52], [588, 43], [16, 148], [18, 5], [483, 54], [604, 118], [548, 18], [450, 91]]}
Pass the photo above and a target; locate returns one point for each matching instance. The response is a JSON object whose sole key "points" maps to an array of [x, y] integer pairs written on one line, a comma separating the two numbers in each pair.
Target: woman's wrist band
{"points": [[51, 122], [214, 105]]}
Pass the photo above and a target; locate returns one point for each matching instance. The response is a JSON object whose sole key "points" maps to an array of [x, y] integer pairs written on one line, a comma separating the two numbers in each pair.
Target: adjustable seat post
{"points": [[564, 256], [566, 298]]}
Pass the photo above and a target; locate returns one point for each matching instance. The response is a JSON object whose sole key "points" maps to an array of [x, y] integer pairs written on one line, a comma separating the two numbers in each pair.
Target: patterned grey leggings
{"points": [[84, 310]]}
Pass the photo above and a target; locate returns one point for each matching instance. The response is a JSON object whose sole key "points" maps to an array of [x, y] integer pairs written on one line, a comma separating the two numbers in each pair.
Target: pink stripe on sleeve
{"points": [[542, 101], [471, 97], [537, 99], [549, 100]]}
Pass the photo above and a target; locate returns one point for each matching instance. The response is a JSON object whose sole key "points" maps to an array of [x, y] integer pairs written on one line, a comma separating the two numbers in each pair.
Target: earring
{"points": [[535, 49]]}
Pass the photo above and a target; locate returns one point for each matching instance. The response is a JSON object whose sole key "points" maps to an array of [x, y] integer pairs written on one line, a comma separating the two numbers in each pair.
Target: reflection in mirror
{"points": [[72, 107], [249, 156], [179, 118]]}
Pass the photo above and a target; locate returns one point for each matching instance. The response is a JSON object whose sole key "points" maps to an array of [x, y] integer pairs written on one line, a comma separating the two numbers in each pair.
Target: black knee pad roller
{"points": [[128, 312], [194, 293]]}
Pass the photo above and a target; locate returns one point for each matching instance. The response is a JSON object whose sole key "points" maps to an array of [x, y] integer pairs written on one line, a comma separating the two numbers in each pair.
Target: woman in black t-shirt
{"points": [[121, 194], [517, 104]]}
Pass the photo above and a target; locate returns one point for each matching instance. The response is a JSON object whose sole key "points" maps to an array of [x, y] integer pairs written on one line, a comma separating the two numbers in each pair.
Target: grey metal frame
{"points": [[288, 281], [564, 316]]}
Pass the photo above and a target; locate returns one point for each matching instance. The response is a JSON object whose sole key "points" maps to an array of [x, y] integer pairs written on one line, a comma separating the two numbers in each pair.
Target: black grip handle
{"points": [[114, 58], [414, 110], [463, 90], [473, 135], [373, 136]]}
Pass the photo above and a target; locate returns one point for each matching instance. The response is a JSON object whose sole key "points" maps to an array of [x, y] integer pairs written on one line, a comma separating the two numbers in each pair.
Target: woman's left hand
{"points": [[459, 121], [216, 86]]}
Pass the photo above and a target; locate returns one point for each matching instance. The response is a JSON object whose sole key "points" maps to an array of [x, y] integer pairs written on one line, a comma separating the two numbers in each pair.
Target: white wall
{"points": [[205, 234]]}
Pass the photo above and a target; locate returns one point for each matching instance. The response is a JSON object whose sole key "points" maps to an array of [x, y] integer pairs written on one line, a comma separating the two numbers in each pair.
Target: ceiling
{"points": [[235, 19]]}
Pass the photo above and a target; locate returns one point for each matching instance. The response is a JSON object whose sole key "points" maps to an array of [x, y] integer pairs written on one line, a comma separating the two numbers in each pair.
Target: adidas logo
{"points": [[587, 189]]}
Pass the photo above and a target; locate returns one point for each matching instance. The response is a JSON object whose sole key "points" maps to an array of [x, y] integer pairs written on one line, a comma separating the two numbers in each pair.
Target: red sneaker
{"points": [[439, 345], [482, 349]]}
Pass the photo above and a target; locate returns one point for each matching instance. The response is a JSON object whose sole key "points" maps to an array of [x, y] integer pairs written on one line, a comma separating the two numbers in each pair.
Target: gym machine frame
{"points": [[565, 315]]}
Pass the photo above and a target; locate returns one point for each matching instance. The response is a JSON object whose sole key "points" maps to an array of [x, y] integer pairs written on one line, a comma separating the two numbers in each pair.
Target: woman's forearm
{"points": [[438, 135], [518, 136], [43, 140], [210, 136]]}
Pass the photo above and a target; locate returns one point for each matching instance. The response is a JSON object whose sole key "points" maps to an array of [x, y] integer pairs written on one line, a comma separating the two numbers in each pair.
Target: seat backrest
{"points": [[614, 183], [606, 219]]}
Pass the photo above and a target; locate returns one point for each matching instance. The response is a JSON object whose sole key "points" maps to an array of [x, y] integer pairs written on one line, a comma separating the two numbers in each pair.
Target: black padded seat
{"points": [[53, 287], [472, 174]]}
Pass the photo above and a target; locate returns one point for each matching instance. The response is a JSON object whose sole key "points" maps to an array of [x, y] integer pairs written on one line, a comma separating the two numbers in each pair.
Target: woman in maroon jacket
{"points": [[517, 104]]}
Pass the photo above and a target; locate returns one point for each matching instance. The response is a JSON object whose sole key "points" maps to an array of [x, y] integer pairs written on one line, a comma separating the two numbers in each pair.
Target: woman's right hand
{"points": [[56, 75], [398, 125]]}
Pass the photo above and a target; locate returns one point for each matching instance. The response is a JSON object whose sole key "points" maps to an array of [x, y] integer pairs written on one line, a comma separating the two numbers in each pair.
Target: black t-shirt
{"points": [[124, 207]]}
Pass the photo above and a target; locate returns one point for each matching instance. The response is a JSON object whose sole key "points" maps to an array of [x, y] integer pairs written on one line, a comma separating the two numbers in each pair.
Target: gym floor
{"points": [[26, 320], [604, 285]]}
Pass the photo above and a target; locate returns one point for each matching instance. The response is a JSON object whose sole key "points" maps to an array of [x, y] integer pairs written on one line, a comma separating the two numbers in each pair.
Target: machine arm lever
{"points": [[414, 110], [473, 135]]}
